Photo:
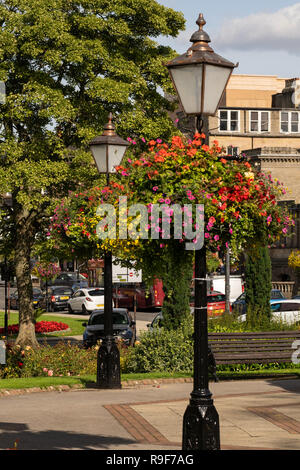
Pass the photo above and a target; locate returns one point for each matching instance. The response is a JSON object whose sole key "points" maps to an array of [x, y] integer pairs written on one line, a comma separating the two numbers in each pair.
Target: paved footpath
{"points": [[254, 414]]}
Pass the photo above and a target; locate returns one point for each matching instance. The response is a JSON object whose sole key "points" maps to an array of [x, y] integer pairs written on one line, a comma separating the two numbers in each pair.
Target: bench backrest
{"points": [[256, 347]]}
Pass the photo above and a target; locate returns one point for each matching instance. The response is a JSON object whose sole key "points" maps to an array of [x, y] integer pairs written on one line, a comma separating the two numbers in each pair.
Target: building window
{"points": [[259, 121], [229, 121], [232, 151], [289, 122]]}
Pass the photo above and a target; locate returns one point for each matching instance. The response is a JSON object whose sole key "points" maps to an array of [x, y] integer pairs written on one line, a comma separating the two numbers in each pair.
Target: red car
{"points": [[216, 303]]}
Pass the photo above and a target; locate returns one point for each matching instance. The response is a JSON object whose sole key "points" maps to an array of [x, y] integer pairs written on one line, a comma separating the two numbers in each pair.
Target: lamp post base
{"points": [[201, 429], [108, 364]]}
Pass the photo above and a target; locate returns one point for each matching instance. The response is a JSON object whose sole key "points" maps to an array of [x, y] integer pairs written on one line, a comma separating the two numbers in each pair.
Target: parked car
{"points": [[287, 310], [38, 297], [284, 310], [216, 303], [71, 279], [123, 327], [58, 297], [86, 300], [239, 305], [156, 322]]}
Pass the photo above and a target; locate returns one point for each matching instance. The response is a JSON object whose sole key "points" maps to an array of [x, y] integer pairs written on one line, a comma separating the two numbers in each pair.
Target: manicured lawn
{"points": [[43, 382], [75, 324]]}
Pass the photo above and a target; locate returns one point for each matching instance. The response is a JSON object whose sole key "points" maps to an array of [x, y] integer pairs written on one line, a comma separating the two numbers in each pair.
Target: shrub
{"points": [[163, 350], [63, 359]]}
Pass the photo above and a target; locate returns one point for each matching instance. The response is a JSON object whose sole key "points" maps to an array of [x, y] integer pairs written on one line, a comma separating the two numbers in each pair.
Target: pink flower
{"points": [[143, 140], [50, 373], [230, 231], [216, 238], [155, 188]]}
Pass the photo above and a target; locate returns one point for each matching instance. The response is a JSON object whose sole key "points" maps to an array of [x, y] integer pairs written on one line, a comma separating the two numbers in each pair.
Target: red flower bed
{"points": [[40, 327]]}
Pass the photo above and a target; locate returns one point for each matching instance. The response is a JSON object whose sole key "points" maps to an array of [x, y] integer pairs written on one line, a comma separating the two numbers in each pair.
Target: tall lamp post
{"points": [[108, 151], [200, 78]]}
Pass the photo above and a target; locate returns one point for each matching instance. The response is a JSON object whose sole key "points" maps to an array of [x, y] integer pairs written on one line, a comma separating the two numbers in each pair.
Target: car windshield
{"points": [[36, 291], [118, 319], [216, 298], [96, 292]]}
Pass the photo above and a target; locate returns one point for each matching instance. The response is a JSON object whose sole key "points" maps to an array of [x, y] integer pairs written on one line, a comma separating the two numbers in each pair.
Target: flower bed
{"points": [[40, 327]]}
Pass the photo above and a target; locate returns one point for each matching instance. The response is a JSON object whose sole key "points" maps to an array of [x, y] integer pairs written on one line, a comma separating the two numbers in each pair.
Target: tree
{"points": [[240, 210], [258, 283], [65, 65], [294, 263]]}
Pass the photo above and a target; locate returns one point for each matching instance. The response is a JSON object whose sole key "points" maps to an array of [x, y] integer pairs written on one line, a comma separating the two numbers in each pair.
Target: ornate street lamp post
{"points": [[200, 78], [108, 151]]}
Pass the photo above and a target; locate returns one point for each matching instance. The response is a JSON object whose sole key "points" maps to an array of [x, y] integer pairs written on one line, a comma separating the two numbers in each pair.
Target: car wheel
{"points": [[84, 310], [70, 310]]}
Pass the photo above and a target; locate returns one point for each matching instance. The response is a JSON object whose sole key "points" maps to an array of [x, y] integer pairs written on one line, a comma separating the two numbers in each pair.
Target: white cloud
{"points": [[263, 31]]}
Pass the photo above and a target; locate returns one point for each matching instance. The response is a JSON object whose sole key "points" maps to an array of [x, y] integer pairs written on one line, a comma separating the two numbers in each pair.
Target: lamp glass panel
{"points": [[99, 154], [115, 155], [216, 78], [188, 82]]}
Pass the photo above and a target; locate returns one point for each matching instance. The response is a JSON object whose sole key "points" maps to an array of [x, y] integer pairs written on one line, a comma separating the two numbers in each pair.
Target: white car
{"points": [[283, 310], [86, 300]]}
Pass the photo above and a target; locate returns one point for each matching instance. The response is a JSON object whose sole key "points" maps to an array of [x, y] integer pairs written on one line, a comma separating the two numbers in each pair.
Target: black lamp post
{"points": [[200, 78], [108, 151]]}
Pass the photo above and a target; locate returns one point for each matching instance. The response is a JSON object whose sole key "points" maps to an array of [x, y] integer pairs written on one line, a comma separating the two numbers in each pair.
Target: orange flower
{"points": [[159, 159], [177, 142], [223, 160], [191, 152]]}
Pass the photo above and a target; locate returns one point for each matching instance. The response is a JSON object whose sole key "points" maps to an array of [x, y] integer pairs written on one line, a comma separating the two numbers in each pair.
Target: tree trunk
{"points": [[25, 234]]}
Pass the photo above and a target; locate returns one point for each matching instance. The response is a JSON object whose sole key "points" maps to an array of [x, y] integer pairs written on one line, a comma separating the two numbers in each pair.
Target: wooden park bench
{"points": [[252, 348]]}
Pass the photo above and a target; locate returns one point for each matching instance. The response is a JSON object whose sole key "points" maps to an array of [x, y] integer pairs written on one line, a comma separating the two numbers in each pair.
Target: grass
{"points": [[88, 380]]}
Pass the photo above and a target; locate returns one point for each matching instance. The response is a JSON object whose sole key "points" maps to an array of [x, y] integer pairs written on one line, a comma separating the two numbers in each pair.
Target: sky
{"points": [[263, 36]]}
